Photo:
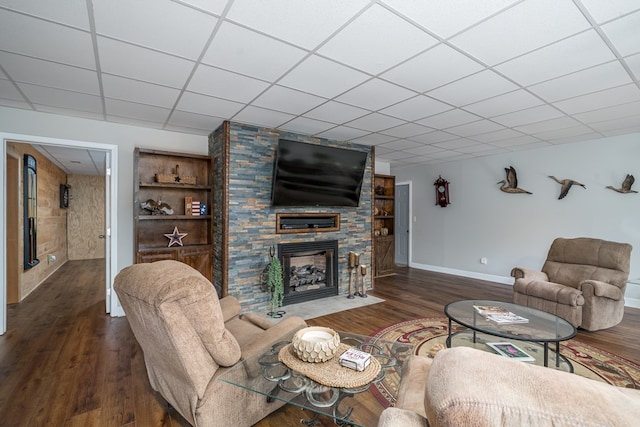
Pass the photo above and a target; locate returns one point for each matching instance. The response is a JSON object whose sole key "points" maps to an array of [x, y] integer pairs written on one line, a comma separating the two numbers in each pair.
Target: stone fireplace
{"points": [[310, 270]]}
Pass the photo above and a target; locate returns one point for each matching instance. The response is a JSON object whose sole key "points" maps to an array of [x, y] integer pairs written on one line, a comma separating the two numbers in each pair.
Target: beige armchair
{"points": [[582, 280], [463, 386], [189, 338]]}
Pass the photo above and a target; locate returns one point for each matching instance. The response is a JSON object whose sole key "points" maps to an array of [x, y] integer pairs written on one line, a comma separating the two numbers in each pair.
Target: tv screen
{"points": [[317, 175]]}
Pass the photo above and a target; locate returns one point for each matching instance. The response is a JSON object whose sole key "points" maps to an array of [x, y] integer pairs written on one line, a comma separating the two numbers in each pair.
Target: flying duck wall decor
{"points": [[510, 185], [626, 185], [566, 185]]}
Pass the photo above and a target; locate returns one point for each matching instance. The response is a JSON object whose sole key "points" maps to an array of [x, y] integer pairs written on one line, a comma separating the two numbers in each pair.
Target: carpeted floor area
{"points": [[423, 334]]}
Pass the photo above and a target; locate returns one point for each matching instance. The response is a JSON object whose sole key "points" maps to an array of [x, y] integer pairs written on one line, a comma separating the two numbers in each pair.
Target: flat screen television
{"points": [[317, 175]]}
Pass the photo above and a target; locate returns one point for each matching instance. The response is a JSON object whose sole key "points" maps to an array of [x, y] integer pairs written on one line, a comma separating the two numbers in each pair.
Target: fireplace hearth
{"points": [[310, 270]]}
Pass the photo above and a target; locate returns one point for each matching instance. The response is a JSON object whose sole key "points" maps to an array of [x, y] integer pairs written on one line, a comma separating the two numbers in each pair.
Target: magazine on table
{"points": [[499, 314], [511, 351]]}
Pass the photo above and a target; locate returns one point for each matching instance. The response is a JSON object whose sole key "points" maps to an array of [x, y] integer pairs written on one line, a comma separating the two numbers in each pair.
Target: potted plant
{"points": [[275, 285]]}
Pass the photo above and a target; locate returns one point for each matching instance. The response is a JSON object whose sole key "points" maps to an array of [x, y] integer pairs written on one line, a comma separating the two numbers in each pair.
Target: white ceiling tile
{"points": [[188, 130], [165, 26], [304, 23], [70, 12], [23, 105], [45, 73], [449, 119], [605, 98], [307, 126], [61, 98], [530, 115], [496, 136], [342, 133], [194, 121], [407, 130], [416, 108], [213, 6], [604, 10], [423, 149], [578, 138], [262, 117], [433, 137], [238, 49], [134, 121], [477, 87], [633, 62], [134, 111], [575, 53], [448, 17], [564, 133], [202, 104], [485, 149], [400, 144], [9, 91], [137, 91], [373, 139], [516, 141], [69, 112], [623, 33], [475, 128], [610, 113], [526, 26], [503, 104], [287, 100], [455, 144], [548, 125], [375, 94], [142, 64], [619, 126], [587, 81], [224, 84], [394, 39], [436, 67], [322, 77], [336, 112], [375, 122], [46, 40]]}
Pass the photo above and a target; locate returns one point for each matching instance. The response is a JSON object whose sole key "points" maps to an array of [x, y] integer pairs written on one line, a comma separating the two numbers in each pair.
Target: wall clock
{"points": [[442, 192], [64, 196]]}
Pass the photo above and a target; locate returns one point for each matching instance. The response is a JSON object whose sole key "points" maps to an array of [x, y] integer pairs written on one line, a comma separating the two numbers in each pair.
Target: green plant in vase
{"points": [[275, 286]]}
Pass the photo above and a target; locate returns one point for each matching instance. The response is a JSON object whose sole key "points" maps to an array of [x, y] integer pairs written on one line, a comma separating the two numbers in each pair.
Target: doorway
{"points": [[112, 305], [402, 223]]}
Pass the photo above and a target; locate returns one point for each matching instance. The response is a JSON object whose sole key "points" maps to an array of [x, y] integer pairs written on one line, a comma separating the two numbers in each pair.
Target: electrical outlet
{"points": [[483, 260], [51, 258]]}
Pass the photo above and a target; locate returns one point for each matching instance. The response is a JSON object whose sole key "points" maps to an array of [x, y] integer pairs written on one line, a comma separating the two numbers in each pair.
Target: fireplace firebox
{"points": [[310, 270]]}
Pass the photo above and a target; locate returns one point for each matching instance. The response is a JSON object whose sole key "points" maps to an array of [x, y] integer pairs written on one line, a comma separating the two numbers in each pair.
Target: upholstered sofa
{"points": [[583, 280], [190, 338], [462, 386]]}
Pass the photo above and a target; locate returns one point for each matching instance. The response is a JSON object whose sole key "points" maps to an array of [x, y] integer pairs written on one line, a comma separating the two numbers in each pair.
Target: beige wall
{"points": [[85, 217], [52, 221]]}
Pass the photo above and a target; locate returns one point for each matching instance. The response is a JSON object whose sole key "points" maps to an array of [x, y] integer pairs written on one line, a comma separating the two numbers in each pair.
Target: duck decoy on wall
{"points": [[566, 185], [626, 185], [510, 185]]}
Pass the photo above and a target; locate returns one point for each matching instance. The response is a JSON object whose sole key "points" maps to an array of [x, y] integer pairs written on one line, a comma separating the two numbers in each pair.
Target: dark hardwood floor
{"points": [[64, 362]]}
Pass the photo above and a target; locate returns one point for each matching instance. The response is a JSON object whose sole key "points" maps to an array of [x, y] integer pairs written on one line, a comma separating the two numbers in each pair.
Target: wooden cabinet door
{"points": [[200, 258], [385, 255], [159, 255]]}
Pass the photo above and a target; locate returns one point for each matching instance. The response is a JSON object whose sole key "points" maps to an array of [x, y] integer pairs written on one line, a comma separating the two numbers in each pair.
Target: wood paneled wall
{"points": [[52, 221]]}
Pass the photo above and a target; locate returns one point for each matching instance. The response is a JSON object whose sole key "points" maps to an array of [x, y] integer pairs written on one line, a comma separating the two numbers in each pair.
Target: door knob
{"points": [[101, 236]]}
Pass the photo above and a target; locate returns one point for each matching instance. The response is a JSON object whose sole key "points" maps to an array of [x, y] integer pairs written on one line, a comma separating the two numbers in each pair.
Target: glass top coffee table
{"points": [[540, 329], [273, 379]]}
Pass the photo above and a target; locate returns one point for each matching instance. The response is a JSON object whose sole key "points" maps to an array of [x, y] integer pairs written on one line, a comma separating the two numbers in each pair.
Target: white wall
{"points": [[516, 229], [124, 136]]}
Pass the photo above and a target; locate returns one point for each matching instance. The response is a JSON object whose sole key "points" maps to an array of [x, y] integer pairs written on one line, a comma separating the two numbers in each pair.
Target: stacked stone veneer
{"points": [[243, 174]]}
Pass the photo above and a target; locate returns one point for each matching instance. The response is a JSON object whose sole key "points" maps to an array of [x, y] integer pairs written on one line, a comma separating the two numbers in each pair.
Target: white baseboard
{"points": [[628, 302]]}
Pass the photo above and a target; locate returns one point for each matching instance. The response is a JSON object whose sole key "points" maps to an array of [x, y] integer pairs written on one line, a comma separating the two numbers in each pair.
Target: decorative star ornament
{"points": [[175, 237]]}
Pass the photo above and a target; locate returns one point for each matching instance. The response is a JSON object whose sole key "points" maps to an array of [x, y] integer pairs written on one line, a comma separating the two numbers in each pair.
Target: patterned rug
{"points": [[425, 333]]}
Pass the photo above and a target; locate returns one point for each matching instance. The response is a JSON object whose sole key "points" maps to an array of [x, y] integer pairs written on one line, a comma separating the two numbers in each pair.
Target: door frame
{"points": [[409, 218], [111, 209]]}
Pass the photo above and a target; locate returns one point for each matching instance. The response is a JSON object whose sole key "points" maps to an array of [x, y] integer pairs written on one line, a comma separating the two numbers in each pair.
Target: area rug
{"points": [[423, 334]]}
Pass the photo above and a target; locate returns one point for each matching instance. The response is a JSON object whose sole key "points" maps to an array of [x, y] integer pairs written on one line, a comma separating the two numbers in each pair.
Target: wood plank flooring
{"points": [[64, 362]]}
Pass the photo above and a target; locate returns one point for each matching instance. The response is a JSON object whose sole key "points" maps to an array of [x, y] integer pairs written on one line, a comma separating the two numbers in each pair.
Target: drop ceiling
{"points": [[423, 81]]}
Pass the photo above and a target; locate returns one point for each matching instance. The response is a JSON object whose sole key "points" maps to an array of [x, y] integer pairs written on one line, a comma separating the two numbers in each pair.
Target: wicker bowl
{"points": [[315, 344]]}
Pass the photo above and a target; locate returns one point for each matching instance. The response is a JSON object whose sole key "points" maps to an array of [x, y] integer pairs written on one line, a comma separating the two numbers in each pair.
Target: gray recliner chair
{"points": [[583, 280]]}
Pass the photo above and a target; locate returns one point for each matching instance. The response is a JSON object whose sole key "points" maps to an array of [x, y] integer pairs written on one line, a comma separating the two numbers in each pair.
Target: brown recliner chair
{"points": [[583, 281], [189, 338]]}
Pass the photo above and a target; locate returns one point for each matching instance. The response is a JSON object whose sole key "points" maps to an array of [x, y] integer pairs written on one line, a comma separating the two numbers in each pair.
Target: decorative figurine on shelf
{"points": [[442, 192], [354, 260], [157, 208], [363, 285], [176, 237]]}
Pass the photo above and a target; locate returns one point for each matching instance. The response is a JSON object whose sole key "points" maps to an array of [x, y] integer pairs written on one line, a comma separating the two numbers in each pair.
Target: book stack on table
{"points": [[499, 314], [355, 359]]}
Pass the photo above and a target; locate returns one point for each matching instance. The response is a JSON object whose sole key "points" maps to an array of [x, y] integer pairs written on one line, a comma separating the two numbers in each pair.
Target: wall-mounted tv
{"points": [[317, 175]]}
